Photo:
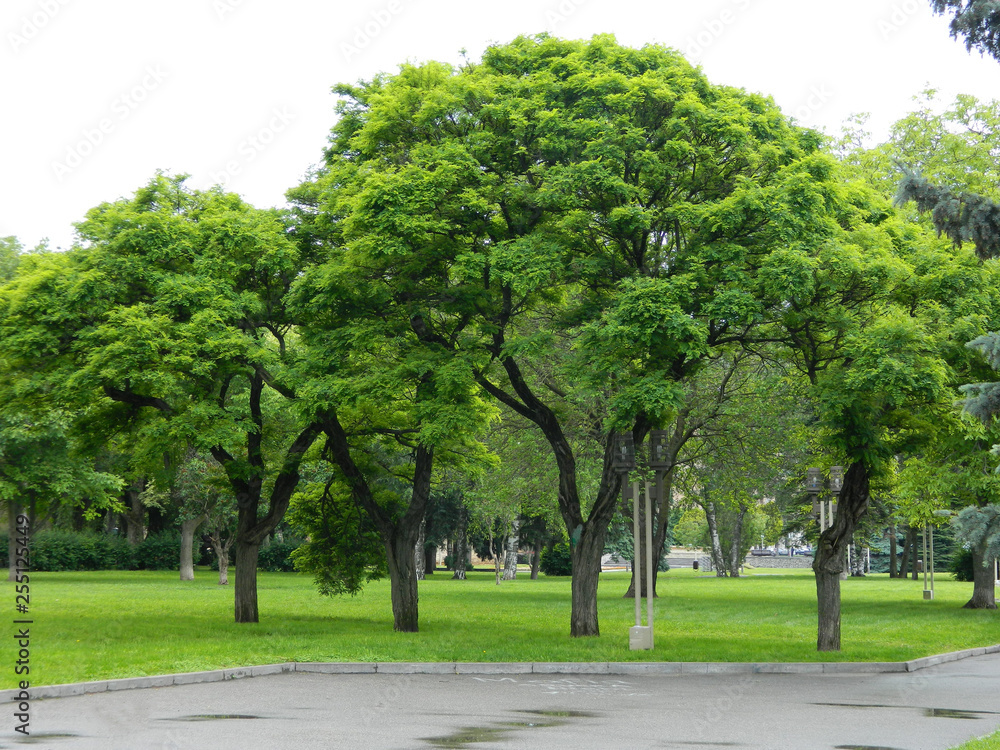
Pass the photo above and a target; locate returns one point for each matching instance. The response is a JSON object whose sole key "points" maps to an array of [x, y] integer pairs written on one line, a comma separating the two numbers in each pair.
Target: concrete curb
{"points": [[510, 668]]}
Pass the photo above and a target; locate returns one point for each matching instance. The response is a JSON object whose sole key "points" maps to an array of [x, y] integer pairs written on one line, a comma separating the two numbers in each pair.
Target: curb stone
{"points": [[522, 668]]}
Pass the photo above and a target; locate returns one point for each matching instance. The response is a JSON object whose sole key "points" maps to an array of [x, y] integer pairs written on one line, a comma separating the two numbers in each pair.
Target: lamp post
{"points": [[639, 637], [815, 485]]}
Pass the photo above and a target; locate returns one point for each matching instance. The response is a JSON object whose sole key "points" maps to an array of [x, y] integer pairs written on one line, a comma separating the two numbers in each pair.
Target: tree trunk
{"points": [[829, 562], [430, 559], [461, 545], [536, 558], [188, 528], [221, 549], [911, 537], [904, 559], [134, 514], [586, 557], [419, 558], [737, 544], [245, 590], [718, 561], [510, 551], [403, 581], [893, 569], [983, 588]]}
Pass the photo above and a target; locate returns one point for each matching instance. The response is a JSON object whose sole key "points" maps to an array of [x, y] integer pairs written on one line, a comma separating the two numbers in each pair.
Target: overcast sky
{"points": [[99, 94]]}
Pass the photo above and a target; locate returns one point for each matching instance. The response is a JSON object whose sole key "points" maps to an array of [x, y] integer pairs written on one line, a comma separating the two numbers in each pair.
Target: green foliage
{"points": [[978, 21], [54, 550], [343, 549], [277, 557], [980, 527], [961, 566], [557, 561], [159, 552]]}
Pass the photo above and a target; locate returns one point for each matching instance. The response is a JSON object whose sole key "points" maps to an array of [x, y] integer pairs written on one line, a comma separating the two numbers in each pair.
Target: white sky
{"points": [[99, 94]]}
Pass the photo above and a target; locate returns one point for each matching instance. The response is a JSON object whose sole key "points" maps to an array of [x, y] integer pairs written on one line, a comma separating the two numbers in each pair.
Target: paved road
{"points": [[934, 708]]}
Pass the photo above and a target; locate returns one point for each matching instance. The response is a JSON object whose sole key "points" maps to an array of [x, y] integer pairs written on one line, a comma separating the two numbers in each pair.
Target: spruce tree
{"points": [[978, 21]]}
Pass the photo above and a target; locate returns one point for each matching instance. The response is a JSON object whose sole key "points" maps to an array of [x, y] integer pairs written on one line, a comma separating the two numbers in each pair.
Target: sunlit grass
{"points": [[120, 624], [990, 742]]}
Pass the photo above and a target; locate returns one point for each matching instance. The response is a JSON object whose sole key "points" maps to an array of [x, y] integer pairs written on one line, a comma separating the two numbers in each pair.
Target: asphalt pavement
{"points": [[930, 709]]}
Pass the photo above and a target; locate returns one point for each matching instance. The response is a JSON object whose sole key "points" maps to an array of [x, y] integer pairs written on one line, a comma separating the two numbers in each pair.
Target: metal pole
{"points": [[925, 557], [822, 516], [649, 561], [637, 557], [932, 560]]}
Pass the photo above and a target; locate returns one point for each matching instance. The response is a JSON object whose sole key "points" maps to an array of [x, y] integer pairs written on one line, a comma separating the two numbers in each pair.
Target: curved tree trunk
{"points": [[586, 556], [983, 587], [830, 560], [188, 529], [221, 547]]}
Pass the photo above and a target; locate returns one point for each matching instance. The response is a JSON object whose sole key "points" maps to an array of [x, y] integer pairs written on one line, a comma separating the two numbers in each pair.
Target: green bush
{"points": [[159, 552], [961, 565], [56, 550], [276, 557], [557, 561]]}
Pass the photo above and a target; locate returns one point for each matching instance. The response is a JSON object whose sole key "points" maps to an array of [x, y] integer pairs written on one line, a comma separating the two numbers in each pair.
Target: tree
{"points": [[171, 316], [599, 214], [979, 527], [978, 21]]}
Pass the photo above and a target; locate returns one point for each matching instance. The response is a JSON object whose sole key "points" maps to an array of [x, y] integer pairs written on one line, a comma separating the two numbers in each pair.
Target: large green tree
{"points": [[978, 21], [170, 315], [594, 216]]}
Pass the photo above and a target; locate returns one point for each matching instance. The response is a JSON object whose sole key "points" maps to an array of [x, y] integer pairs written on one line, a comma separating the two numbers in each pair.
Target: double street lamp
{"points": [[641, 637], [824, 510]]}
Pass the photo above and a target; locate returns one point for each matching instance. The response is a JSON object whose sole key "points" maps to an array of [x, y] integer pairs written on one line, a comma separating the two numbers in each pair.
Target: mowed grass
{"points": [[103, 625]]}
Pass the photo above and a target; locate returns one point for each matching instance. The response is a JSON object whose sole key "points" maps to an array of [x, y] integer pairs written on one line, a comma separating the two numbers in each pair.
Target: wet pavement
{"points": [[931, 709]]}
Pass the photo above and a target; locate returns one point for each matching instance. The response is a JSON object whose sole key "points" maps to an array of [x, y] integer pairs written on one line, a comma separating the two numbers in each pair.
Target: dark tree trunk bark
{"points": [[461, 545], [157, 522], [830, 561], [586, 556], [403, 582], [188, 528], [135, 513], [430, 560], [536, 558], [893, 560], [911, 538], [245, 589], [904, 559], [983, 586]]}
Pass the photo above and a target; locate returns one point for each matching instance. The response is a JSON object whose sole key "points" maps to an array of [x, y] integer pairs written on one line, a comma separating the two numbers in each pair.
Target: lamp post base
{"points": [[640, 638]]}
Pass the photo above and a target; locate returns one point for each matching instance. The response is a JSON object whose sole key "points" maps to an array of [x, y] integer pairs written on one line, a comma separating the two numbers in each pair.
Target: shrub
{"points": [[159, 552], [961, 565], [557, 561], [276, 557]]}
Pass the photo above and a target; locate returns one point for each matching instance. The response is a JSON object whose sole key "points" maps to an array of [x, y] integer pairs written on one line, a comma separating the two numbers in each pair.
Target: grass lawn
{"points": [[990, 742], [103, 625]]}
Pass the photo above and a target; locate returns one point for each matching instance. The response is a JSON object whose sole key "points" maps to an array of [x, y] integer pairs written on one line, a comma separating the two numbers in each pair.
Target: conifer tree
{"points": [[978, 21]]}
